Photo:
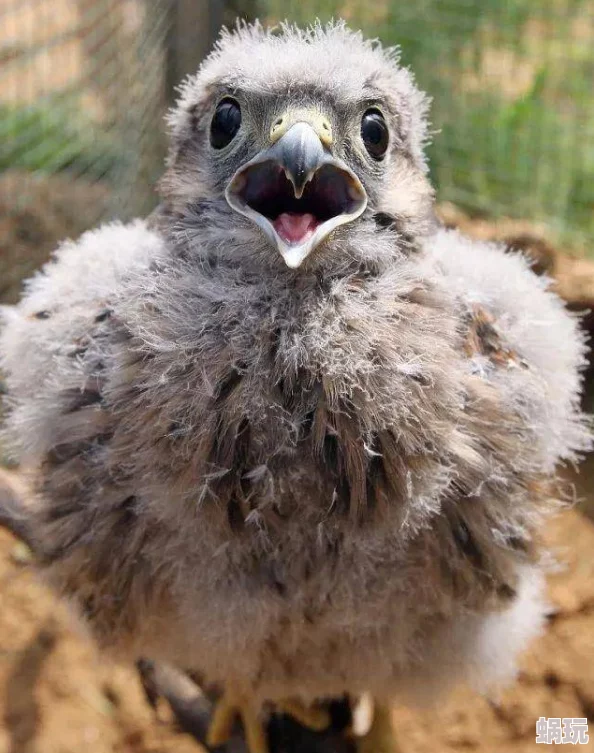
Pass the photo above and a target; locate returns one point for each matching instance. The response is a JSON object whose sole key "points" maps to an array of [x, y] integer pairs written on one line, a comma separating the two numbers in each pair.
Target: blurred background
{"points": [[84, 86]]}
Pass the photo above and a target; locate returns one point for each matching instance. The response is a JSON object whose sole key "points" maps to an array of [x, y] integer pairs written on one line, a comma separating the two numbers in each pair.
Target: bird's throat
{"points": [[295, 228]]}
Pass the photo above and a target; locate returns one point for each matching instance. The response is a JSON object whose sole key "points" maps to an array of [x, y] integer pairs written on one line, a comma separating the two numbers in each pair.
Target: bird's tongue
{"points": [[295, 228]]}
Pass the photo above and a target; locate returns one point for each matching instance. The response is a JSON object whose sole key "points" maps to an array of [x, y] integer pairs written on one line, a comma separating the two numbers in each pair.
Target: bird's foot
{"points": [[314, 718], [228, 708]]}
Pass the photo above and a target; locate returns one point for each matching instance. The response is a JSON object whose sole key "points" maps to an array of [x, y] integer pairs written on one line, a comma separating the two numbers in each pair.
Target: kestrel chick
{"points": [[290, 434]]}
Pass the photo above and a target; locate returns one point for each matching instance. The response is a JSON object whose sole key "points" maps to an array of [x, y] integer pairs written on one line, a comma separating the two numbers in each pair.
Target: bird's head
{"points": [[302, 137]]}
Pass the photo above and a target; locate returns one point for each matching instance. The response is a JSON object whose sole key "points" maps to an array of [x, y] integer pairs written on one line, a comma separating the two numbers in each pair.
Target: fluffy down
{"points": [[122, 362]]}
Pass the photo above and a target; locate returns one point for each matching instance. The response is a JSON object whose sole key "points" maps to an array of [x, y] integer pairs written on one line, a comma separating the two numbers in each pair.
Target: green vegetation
{"points": [[513, 110], [54, 136]]}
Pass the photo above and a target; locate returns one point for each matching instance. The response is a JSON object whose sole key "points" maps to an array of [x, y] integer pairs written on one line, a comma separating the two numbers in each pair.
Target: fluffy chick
{"points": [[299, 477]]}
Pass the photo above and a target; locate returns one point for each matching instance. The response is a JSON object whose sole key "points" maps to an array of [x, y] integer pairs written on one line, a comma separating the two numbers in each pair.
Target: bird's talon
{"points": [[315, 718], [226, 711]]}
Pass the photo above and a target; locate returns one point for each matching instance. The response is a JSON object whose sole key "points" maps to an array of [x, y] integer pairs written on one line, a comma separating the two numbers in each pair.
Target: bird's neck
{"points": [[211, 234]]}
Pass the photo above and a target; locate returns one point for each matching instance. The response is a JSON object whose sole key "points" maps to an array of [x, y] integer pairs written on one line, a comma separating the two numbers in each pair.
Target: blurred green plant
{"points": [[521, 158], [513, 102], [54, 136]]}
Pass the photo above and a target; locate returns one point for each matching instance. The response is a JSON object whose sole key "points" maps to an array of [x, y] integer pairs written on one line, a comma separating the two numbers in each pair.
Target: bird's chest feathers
{"points": [[308, 402]]}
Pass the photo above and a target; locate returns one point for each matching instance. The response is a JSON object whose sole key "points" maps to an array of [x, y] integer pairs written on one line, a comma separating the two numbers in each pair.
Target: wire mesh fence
{"points": [[84, 85], [82, 93]]}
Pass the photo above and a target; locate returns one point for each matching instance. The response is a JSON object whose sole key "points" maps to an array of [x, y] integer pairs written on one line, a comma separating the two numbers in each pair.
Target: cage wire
{"points": [[82, 99], [84, 85]]}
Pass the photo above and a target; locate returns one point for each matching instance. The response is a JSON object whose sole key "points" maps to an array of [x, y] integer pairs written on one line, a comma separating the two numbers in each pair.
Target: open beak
{"points": [[296, 191]]}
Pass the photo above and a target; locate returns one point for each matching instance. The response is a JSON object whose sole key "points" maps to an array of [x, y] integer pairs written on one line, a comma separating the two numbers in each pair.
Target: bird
{"points": [[288, 432]]}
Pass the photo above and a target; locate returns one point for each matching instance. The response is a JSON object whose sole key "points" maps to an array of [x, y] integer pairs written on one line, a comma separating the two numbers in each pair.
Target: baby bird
{"points": [[288, 433]]}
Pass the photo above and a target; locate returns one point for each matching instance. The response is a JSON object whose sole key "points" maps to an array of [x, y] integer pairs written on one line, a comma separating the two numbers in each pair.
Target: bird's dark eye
{"points": [[225, 123], [374, 133]]}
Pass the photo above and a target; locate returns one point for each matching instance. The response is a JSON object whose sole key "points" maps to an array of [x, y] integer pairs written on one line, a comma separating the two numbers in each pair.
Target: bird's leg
{"points": [[220, 728], [231, 705], [315, 718], [146, 673], [227, 709]]}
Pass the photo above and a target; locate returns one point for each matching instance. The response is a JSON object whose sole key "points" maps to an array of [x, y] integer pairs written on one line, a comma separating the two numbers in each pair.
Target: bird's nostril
{"points": [[277, 128], [325, 132]]}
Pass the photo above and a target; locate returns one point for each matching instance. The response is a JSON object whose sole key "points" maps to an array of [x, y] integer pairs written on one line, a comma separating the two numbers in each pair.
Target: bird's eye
{"points": [[225, 123], [374, 133]]}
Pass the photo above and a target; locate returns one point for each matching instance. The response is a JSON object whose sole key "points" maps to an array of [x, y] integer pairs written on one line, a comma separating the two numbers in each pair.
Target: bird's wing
{"points": [[520, 339], [44, 335], [54, 345], [520, 353], [56, 350]]}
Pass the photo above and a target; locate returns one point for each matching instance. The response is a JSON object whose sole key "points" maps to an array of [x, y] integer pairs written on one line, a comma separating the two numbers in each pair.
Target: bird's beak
{"points": [[295, 190]]}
